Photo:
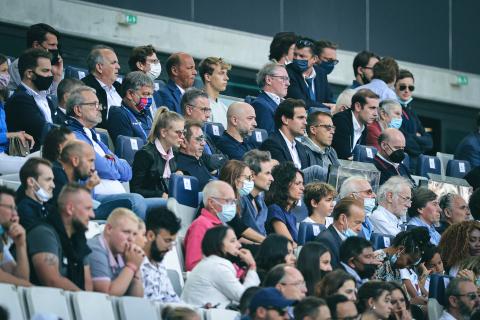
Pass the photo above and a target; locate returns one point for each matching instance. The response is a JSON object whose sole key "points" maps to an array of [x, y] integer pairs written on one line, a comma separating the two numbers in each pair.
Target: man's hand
{"points": [[17, 233], [92, 181], [134, 254], [57, 70]]}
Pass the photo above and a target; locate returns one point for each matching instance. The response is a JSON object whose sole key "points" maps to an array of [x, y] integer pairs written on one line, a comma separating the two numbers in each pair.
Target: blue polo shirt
{"points": [[275, 212], [233, 148], [250, 216]]}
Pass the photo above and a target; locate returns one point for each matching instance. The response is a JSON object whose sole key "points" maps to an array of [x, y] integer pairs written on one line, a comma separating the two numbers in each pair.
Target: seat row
{"points": [[24, 303]]}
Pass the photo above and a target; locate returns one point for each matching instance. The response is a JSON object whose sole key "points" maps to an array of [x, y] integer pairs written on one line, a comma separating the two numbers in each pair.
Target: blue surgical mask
{"points": [[300, 65], [327, 66], [2, 231], [247, 187], [369, 204], [349, 232], [394, 259], [228, 212], [395, 123]]}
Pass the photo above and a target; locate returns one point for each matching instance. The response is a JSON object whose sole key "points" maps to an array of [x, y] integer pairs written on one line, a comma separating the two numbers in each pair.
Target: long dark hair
{"points": [[272, 251], [371, 289], [308, 264], [284, 175], [212, 243], [331, 282]]}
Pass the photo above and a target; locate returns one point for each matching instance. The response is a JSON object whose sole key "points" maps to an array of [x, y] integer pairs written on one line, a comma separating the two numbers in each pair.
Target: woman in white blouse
{"points": [[216, 280]]}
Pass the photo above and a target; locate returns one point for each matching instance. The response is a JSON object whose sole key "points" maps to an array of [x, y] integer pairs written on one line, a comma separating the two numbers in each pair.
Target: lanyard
{"points": [[135, 121]]}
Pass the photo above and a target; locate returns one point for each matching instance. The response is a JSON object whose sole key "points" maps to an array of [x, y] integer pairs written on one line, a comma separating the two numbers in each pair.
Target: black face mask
{"points": [[155, 254], [368, 271], [397, 156], [42, 83]]}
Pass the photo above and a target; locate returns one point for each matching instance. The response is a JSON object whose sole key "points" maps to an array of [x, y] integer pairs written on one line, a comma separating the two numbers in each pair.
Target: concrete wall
{"points": [[98, 22]]}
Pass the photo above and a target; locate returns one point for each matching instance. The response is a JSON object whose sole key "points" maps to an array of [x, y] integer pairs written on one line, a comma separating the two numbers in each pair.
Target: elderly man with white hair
{"points": [[389, 116], [360, 188], [394, 199]]}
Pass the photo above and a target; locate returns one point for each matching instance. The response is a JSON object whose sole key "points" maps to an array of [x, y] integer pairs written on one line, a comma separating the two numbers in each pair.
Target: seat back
{"points": [[250, 99], [12, 300], [428, 164], [175, 268], [406, 161], [126, 147], [308, 231], [75, 72], [380, 241], [364, 153], [300, 211], [224, 314], [133, 308], [258, 136], [92, 306], [183, 199], [458, 168], [47, 300], [444, 157], [103, 136], [214, 129]]}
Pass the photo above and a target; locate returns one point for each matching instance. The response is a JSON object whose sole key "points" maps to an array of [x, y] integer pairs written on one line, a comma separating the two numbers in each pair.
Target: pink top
{"points": [[194, 237]]}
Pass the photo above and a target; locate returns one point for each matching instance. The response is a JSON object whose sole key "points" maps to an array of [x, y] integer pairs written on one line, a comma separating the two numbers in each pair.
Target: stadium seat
{"points": [[428, 164], [458, 168], [444, 157], [47, 300], [126, 147], [258, 136], [12, 300], [224, 314], [364, 153], [158, 84], [176, 280], [183, 199], [250, 99], [300, 211], [380, 241], [133, 308], [92, 306], [10, 180], [103, 136], [308, 231], [436, 295], [75, 72], [214, 129], [406, 161], [120, 78]]}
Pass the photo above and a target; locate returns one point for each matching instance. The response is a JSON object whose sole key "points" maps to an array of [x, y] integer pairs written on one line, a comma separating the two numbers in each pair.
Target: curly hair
{"points": [[453, 245], [284, 175]]}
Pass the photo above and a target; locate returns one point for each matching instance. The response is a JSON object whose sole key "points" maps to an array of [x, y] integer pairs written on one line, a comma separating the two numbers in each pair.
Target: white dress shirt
{"points": [[113, 98], [292, 150], [357, 131], [214, 281], [274, 97], [312, 75], [385, 222], [41, 101], [219, 112]]}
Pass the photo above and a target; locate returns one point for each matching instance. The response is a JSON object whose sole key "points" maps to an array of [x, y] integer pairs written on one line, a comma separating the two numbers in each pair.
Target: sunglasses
{"points": [[402, 87], [471, 295], [304, 43]]}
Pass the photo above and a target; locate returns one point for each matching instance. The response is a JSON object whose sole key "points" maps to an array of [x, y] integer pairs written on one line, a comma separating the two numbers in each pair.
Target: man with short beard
{"points": [[162, 226], [58, 248], [462, 299]]}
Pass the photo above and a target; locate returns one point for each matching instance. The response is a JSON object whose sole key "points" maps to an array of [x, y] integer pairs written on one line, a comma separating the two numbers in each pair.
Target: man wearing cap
{"points": [[269, 303]]}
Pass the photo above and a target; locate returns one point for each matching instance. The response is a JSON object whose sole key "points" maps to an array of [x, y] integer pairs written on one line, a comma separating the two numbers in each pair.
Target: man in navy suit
{"points": [[274, 81], [29, 109], [348, 217], [181, 72], [308, 82], [469, 147], [351, 124]]}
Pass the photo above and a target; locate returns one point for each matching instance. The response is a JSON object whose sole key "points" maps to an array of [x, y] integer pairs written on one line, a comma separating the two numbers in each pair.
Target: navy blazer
{"points": [[343, 136], [170, 97], [469, 149], [298, 88], [264, 110], [279, 150], [332, 241], [23, 114], [92, 82], [387, 170], [123, 121]]}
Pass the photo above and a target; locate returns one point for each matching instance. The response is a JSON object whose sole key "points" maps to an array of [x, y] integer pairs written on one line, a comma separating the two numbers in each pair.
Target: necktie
{"points": [[311, 95]]}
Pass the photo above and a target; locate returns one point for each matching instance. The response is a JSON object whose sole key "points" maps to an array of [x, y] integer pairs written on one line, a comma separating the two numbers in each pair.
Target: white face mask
{"points": [[247, 187], [155, 70], [42, 194]]}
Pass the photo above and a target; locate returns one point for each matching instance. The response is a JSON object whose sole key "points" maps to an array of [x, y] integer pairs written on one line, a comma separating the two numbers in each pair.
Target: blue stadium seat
{"points": [[249, 99], [308, 231], [258, 136], [183, 199], [158, 84], [406, 161], [458, 168], [74, 72], [364, 153], [126, 147], [428, 164], [214, 129], [103, 136], [380, 241]]}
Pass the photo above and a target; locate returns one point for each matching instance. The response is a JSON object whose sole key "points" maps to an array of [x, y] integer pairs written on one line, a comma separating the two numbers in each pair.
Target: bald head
{"points": [[241, 120], [390, 140], [78, 159], [181, 69], [217, 189]]}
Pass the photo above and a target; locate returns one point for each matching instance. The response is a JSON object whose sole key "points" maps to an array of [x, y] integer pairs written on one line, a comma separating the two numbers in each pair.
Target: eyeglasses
{"points": [[227, 201], [326, 126], [153, 61], [10, 207], [283, 78], [180, 133], [279, 310], [402, 87], [203, 109], [249, 178], [97, 105], [471, 295], [302, 43], [406, 199], [200, 138]]}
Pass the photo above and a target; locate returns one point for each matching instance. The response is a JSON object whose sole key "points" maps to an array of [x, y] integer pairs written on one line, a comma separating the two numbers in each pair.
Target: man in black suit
{"points": [[29, 109], [103, 66], [308, 82], [348, 217], [65, 86], [351, 124]]}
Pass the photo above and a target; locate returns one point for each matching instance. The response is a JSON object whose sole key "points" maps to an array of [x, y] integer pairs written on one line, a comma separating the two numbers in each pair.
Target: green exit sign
{"points": [[462, 80], [127, 19]]}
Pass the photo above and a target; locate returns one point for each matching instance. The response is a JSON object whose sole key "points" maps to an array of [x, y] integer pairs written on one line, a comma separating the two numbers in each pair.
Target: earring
{"points": [[373, 308]]}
